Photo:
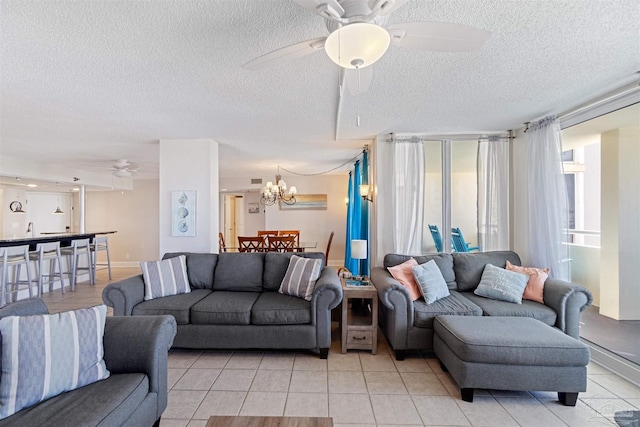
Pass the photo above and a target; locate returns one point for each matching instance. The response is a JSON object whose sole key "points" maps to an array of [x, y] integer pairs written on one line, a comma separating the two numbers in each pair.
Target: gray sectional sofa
{"points": [[135, 394], [408, 325], [234, 303]]}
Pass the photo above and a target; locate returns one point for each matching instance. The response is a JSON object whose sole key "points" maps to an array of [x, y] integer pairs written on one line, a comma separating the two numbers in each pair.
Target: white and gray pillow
{"points": [[500, 284], [301, 276], [48, 354], [166, 277], [431, 282]]}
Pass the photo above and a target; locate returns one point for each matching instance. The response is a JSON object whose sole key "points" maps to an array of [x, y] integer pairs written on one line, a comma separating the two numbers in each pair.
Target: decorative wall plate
{"points": [[15, 206]]}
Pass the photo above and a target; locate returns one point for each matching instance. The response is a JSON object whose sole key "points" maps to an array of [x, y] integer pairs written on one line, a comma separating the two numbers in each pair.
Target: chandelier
{"points": [[272, 194]]}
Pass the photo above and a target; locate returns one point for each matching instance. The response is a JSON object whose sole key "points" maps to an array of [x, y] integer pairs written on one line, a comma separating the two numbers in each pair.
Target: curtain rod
{"points": [[629, 91], [392, 137]]}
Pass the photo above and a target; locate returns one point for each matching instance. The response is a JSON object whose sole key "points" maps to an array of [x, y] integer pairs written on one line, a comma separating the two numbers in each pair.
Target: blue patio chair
{"points": [[459, 244], [437, 237]]}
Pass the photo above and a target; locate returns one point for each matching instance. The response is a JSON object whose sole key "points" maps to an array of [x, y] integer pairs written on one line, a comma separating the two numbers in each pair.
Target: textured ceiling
{"points": [[86, 82]]}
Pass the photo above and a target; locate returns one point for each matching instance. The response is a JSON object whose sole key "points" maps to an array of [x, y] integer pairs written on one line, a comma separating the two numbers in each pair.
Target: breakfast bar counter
{"points": [[64, 238]]}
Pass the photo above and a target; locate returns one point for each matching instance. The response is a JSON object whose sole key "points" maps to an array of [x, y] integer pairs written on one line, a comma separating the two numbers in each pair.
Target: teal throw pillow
{"points": [[432, 285], [503, 285]]}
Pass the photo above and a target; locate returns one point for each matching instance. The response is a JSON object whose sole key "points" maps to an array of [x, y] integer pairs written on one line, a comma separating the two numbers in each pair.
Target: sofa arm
{"points": [[124, 295], [140, 344], [392, 294], [568, 300], [327, 294], [399, 307]]}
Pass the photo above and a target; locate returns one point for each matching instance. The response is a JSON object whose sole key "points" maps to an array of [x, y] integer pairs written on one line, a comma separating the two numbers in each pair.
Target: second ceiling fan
{"points": [[359, 36]]}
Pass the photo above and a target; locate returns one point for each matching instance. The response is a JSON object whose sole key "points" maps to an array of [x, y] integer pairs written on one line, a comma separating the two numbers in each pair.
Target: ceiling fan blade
{"points": [[386, 6], [286, 54], [438, 36], [358, 83]]}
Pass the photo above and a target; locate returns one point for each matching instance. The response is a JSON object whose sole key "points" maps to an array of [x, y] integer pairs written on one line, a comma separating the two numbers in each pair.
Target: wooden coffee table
{"points": [[230, 421]]}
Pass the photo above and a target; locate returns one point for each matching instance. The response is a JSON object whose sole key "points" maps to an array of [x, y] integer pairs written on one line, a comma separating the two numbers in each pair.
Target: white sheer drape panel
{"points": [[547, 203], [408, 196], [493, 194]]}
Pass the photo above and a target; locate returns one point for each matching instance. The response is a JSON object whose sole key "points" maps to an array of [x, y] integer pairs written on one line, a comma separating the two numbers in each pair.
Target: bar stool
{"points": [[100, 244], [48, 252], [78, 248], [14, 257]]}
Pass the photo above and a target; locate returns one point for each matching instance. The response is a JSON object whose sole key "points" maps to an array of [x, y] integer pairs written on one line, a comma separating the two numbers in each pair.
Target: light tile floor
{"points": [[357, 389]]}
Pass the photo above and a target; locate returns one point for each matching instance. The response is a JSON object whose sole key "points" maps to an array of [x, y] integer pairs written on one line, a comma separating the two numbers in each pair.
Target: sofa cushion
{"points": [[109, 402], [166, 277], [432, 284], [273, 308], [301, 277], [501, 284], [178, 306], [442, 260], [224, 308], [531, 309], [276, 264], [45, 355], [200, 268], [454, 304], [468, 267], [239, 272]]}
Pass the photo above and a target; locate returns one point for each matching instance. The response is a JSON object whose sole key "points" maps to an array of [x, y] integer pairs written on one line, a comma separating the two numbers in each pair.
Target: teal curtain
{"points": [[364, 217], [354, 218], [357, 216], [347, 253]]}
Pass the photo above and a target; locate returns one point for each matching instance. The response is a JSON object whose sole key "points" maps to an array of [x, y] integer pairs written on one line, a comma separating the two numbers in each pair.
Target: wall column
{"points": [[190, 164], [620, 228]]}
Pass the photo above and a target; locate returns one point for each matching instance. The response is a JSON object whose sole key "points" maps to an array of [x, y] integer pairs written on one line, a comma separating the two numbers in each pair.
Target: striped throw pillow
{"points": [[166, 277], [45, 355], [301, 276]]}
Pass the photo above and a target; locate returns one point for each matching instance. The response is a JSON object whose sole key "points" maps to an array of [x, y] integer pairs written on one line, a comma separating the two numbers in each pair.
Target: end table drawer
{"points": [[359, 337]]}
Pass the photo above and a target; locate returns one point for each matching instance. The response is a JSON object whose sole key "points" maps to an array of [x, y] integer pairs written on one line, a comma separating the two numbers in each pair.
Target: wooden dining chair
{"points": [[295, 233], [266, 233], [223, 247], [281, 243], [326, 254], [250, 244]]}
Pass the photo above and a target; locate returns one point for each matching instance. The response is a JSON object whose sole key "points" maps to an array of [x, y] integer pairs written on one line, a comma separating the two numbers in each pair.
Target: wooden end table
{"points": [[359, 331]]}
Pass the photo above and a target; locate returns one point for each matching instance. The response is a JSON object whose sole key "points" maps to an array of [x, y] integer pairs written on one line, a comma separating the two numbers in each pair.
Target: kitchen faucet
{"points": [[30, 229]]}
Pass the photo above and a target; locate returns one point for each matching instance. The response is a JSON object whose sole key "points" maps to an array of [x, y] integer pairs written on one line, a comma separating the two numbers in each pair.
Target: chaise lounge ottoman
{"points": [[510, 353]]}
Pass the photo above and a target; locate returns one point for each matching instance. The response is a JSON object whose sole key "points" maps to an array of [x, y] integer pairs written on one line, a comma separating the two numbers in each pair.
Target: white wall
{"points": [[189, 165], [134, 215], [620, 269], [316, 225]]}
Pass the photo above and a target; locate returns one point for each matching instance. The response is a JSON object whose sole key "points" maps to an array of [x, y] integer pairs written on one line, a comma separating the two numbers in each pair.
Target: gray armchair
{"points": [[135, 394]]}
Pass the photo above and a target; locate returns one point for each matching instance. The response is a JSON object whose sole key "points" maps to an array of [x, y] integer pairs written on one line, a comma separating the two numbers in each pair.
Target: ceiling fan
{"points": [[359, 36], [123, 168]]}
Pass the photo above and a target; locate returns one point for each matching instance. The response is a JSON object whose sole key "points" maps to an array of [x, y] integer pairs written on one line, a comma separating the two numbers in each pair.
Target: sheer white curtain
{"points": [[547, 204], [408, 196], [493, 194]]}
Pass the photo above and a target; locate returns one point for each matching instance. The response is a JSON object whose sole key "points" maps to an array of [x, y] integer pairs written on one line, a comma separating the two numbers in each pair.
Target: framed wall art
{"points": [[183, 213], [307, 201]]}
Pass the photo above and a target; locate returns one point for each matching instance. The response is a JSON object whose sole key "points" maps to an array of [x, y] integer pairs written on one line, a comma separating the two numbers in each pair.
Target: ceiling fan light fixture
{"points": [[357, 45]]}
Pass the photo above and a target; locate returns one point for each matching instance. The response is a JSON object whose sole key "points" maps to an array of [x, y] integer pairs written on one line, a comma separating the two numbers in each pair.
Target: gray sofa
{"points": [[234, 303], [408, 325], [135, 394]]}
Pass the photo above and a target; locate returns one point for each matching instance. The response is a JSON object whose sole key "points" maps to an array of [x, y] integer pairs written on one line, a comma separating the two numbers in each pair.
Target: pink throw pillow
{"points": [[403, 273], [535, 286]]}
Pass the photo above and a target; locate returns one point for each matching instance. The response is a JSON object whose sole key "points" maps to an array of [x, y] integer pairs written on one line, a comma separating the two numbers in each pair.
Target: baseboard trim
{"points": [[125, 264], [614, 363]]}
